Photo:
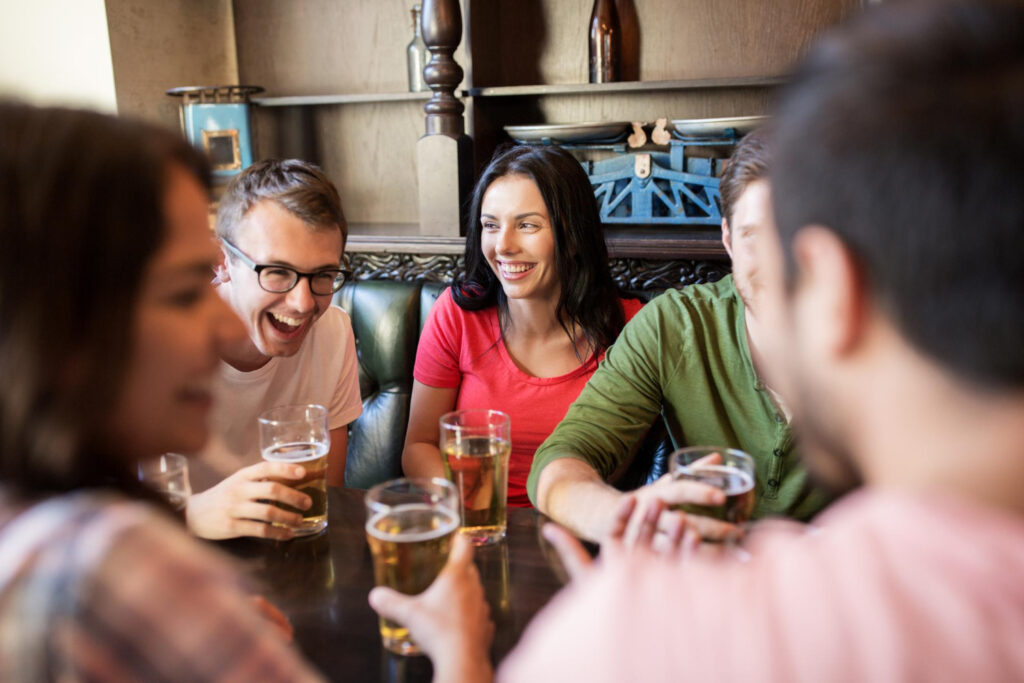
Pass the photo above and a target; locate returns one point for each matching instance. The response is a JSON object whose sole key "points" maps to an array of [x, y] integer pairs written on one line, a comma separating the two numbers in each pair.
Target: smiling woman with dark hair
{"points": [[525, 328]]}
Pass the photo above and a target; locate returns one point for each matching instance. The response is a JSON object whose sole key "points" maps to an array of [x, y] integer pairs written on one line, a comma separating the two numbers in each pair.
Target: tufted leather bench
{"points": [[387, 317]]}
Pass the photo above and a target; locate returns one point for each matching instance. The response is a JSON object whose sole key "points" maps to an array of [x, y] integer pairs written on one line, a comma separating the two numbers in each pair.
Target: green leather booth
{"points": [[387, 317]]}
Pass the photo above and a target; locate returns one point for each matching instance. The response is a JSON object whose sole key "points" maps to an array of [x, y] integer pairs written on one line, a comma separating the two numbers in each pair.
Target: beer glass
{"points": [[475, 447], [167, 474], [298, 435], [735, 475], [410, 524]]}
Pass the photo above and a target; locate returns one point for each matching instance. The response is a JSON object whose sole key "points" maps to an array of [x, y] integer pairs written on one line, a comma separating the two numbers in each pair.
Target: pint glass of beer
{"points": [[410, 524], [475, 446], [733, 472], [298, 435]]}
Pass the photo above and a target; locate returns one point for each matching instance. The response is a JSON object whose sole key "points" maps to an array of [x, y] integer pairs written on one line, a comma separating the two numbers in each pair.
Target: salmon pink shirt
{"points": [[464, 349]]}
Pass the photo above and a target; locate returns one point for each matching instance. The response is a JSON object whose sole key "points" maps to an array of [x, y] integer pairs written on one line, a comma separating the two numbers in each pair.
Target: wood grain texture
{"points": [[522, 42], [368, 150], [321, 47], [155, 46]]}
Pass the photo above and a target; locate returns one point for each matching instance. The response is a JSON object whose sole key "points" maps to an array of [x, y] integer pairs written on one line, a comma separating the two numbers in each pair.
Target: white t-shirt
{"points": [[324, 371]]}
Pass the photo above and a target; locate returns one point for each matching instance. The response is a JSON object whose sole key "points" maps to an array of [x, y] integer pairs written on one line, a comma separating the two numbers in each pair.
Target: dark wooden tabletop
{"points": [[321, 584]]}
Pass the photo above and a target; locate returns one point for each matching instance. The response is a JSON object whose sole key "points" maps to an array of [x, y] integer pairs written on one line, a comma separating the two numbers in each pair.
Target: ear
{"points": [[221, 269], [726, 237], [831, 287]]}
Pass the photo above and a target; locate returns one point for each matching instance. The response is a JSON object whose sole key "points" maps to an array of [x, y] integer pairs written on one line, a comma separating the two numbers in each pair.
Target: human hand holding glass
{"points": [[410, 524], [298, 435], [728, 469]]}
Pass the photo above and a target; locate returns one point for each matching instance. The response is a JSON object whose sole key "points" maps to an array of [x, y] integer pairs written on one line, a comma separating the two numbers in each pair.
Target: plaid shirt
{"points": [[93, 587]]}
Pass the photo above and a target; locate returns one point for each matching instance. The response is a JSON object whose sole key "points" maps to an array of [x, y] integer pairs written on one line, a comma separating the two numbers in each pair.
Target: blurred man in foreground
{"points": [[900, 331]]}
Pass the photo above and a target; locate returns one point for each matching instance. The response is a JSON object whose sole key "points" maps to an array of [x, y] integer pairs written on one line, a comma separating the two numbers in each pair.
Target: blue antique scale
{"points": [[649, 187]]}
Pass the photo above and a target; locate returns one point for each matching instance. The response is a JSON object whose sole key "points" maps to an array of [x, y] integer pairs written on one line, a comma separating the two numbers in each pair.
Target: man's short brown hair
{"points": [[749, 162], [302, 188]]}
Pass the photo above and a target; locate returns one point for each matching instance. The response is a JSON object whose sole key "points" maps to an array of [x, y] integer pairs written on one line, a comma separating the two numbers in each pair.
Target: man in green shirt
{"points": [[691, 355]]}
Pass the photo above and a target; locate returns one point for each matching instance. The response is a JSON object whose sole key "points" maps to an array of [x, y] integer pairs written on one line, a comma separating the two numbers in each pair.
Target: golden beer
{"points": [[737, 485], [410, 545], [478, 466], [313, 457], [728, 469]]}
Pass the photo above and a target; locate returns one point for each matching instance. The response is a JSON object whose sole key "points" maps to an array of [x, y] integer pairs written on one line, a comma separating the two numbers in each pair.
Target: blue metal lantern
{"points": [[215, 118]]}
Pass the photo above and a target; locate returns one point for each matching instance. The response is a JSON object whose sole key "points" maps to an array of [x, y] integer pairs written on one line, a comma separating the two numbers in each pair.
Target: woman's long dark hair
{"points": [[81, 216], [589, 298]]}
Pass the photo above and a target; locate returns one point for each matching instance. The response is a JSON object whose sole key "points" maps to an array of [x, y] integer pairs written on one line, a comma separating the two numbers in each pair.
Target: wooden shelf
{"points": [[634, 242], [625, 86], [405, 244], [358, 98], [527, 91], [664, 243]]}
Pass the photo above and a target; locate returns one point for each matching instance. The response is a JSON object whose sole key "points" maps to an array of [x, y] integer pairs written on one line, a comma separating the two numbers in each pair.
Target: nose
{"points": [[506, 240], [300, 297]]}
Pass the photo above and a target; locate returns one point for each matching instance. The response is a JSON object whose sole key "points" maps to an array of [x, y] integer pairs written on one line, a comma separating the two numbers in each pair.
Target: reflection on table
{"points": [[321, 584]]}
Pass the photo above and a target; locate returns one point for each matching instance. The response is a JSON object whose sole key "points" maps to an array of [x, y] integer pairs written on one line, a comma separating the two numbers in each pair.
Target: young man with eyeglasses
{"points": [[282, 234]]}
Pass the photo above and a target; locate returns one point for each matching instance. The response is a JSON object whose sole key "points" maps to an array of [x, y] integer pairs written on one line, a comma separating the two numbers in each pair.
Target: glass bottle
{"points": [[416, 54], [629, 62], [605, 50]]}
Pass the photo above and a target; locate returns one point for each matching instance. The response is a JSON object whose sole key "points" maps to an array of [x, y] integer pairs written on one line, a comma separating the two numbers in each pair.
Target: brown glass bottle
{"points": [[605, 47], [629, 42]]}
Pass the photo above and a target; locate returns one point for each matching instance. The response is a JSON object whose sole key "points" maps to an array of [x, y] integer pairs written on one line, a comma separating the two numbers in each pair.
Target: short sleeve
{"points": [[438, 353], [630, 307], [346, 404]]}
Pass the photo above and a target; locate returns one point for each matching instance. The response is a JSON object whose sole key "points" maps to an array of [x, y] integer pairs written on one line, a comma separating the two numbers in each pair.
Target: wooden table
{"points": [[321, 583]]}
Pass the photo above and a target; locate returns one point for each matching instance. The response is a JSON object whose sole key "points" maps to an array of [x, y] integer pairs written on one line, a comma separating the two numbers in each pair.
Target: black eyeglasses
{"points": [[280, 279]]}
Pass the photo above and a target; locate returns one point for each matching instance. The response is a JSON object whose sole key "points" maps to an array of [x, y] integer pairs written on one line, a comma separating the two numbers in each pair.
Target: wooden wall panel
{"points": [[525, 42], [155, 46], [321, 47], [368, 150]]}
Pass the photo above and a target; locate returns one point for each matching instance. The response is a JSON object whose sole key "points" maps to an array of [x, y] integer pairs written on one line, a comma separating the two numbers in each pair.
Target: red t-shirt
{"points": [[464, 349]]}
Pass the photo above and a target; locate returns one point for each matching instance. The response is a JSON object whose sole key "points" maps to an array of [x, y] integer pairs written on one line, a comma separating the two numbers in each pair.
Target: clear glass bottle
{"points": [[416, 54]]}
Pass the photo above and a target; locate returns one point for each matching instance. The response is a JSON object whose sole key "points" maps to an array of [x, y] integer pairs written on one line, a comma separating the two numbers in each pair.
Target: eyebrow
{"points": [[522, 215], [315, 269]]}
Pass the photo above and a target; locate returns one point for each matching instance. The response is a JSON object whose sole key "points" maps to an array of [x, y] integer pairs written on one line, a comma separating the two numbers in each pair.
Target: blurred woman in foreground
{"points": [[110, 338]]}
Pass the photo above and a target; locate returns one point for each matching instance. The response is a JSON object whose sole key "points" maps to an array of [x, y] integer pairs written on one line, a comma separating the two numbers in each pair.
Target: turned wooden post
{"points": [[444, 153]]}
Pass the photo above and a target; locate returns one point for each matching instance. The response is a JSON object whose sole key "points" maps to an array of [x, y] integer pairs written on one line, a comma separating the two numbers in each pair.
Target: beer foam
{"points": [[414, 508], [295, 453]]}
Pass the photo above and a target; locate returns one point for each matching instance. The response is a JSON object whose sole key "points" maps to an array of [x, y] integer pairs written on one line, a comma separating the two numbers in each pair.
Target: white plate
{"points": [[717, 127], [569, 132]]}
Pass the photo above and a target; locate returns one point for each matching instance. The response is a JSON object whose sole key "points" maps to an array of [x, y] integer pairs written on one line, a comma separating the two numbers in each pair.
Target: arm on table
{"points": [[600, 431], [336, 456], [421, 456], [572, 493]]}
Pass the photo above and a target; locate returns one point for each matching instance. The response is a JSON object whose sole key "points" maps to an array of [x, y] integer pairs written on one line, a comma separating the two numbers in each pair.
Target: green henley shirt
{"points": [[685, 355]]}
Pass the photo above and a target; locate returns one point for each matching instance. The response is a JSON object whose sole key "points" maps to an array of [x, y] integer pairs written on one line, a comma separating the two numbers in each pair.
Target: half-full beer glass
{"points": [[475, 446], [410, 524], [733, 472], [298, 435]]}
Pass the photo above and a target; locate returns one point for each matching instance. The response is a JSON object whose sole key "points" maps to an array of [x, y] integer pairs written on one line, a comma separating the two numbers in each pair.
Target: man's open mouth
{"points": [[283, 323]]}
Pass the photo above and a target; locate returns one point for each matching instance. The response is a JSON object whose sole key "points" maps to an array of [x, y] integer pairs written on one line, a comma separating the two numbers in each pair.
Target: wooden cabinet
{"points": [[336, 79]]}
